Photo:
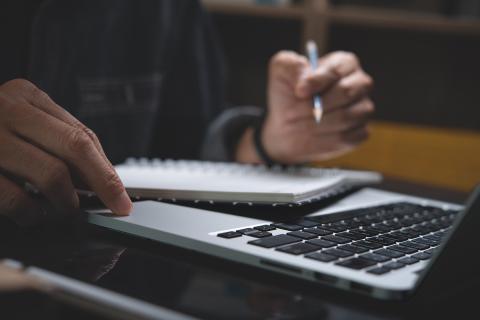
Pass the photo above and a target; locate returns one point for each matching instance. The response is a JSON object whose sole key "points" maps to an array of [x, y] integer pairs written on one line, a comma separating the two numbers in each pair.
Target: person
{"points": [[89, 83]]}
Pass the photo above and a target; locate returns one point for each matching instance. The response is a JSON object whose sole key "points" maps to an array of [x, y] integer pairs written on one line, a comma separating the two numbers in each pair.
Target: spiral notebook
{"points": [[236, 183]]}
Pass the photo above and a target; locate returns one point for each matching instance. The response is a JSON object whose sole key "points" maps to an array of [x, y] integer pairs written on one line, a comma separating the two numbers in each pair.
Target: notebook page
{"points": [[239, 181], [192, 175]]}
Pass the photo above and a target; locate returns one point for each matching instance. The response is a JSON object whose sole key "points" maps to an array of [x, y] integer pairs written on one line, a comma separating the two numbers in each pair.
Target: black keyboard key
{"points": [[351, 235], [403, 249], [364, 232], [298, 248], [393, 225], [364, 220], [393, 237], [433, 238], [336, 239], [408, 260], [320, 256], [229, 234], [434, 226], [307, 223], [410, 233], [422, 255], [420, 229], [265, 227], [353, 248], [379, 227], [318, 231], [452, 212], [375, 257], [286, 226], [440, 233], [405, 234], [356, 263], [374, 230], [445, 223], [369, 219], [352, 224], [423, 228], [417, 219], [384, 241], [406, 221], [397, 235], [368, 244], [302, 235], [394, 265], [359, 235], [379, 270], [434, 211], [426, 242], [326, 219], [274, 241], [335, 228], [414, 245], [389, 253], [247, 230], [259, 234], [429, 226], [322, 243], [338, 253], [427, 216]]}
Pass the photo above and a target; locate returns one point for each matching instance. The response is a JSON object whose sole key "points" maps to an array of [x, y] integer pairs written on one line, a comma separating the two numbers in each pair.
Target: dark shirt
{"points": [[146, 75], [16, 17]]}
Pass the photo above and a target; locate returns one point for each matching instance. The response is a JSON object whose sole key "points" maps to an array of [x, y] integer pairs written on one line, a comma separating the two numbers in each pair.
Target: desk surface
{"points": [[200, 285]]}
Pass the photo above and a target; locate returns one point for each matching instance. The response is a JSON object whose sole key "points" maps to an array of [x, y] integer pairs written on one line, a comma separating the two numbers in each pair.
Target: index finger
{"points": [[75, 147], [38, 98], [331, 68], [316, 81]]}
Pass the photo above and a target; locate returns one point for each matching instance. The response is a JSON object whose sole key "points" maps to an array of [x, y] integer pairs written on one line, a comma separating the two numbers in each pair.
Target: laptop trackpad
{"points": [[170, 218]]}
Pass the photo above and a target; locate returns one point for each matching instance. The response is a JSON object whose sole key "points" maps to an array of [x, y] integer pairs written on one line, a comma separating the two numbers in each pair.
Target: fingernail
{"points": [[75, 201], [123, 205]]}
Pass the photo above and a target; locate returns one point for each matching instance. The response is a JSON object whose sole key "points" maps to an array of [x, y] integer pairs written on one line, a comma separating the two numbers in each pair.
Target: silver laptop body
{"points": [[198, 230]]}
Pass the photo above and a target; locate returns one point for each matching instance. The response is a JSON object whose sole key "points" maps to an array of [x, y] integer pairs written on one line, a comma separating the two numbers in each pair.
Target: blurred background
{"points": [[424, 56]]}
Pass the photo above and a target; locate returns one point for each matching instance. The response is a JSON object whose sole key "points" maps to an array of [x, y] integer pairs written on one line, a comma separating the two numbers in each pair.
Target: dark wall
{"points": [[248, 44], [421, 77]]}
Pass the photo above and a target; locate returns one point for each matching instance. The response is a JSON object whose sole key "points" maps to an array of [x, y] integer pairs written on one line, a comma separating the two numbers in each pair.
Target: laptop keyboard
{"points": [[376, 239]]}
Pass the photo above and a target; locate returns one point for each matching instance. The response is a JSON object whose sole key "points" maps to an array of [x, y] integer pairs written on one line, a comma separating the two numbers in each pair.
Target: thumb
{"points": [[287, 66]]}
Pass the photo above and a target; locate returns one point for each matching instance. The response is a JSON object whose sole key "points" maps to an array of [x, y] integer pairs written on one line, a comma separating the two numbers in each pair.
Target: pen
{"points": [[312, 54]]}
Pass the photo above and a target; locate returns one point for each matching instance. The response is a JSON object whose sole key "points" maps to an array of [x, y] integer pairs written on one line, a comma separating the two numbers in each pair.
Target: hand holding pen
{"points": [[335, 86]]}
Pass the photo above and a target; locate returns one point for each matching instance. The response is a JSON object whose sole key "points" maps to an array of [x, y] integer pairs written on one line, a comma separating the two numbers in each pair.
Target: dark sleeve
{"points": [[226, 130], [195, 86]]}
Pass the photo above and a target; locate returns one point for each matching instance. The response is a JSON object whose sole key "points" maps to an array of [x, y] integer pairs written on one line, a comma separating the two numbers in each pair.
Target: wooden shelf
{"points": [[355, 16], [398, 19], [284, 12]]}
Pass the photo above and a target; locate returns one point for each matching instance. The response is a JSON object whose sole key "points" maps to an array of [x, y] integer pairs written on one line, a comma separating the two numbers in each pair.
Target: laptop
{"points": [[382, 244]]}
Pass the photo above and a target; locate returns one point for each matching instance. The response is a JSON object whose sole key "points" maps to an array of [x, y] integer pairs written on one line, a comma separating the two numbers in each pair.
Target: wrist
{"points": [[245, 151], [258, 142]]}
